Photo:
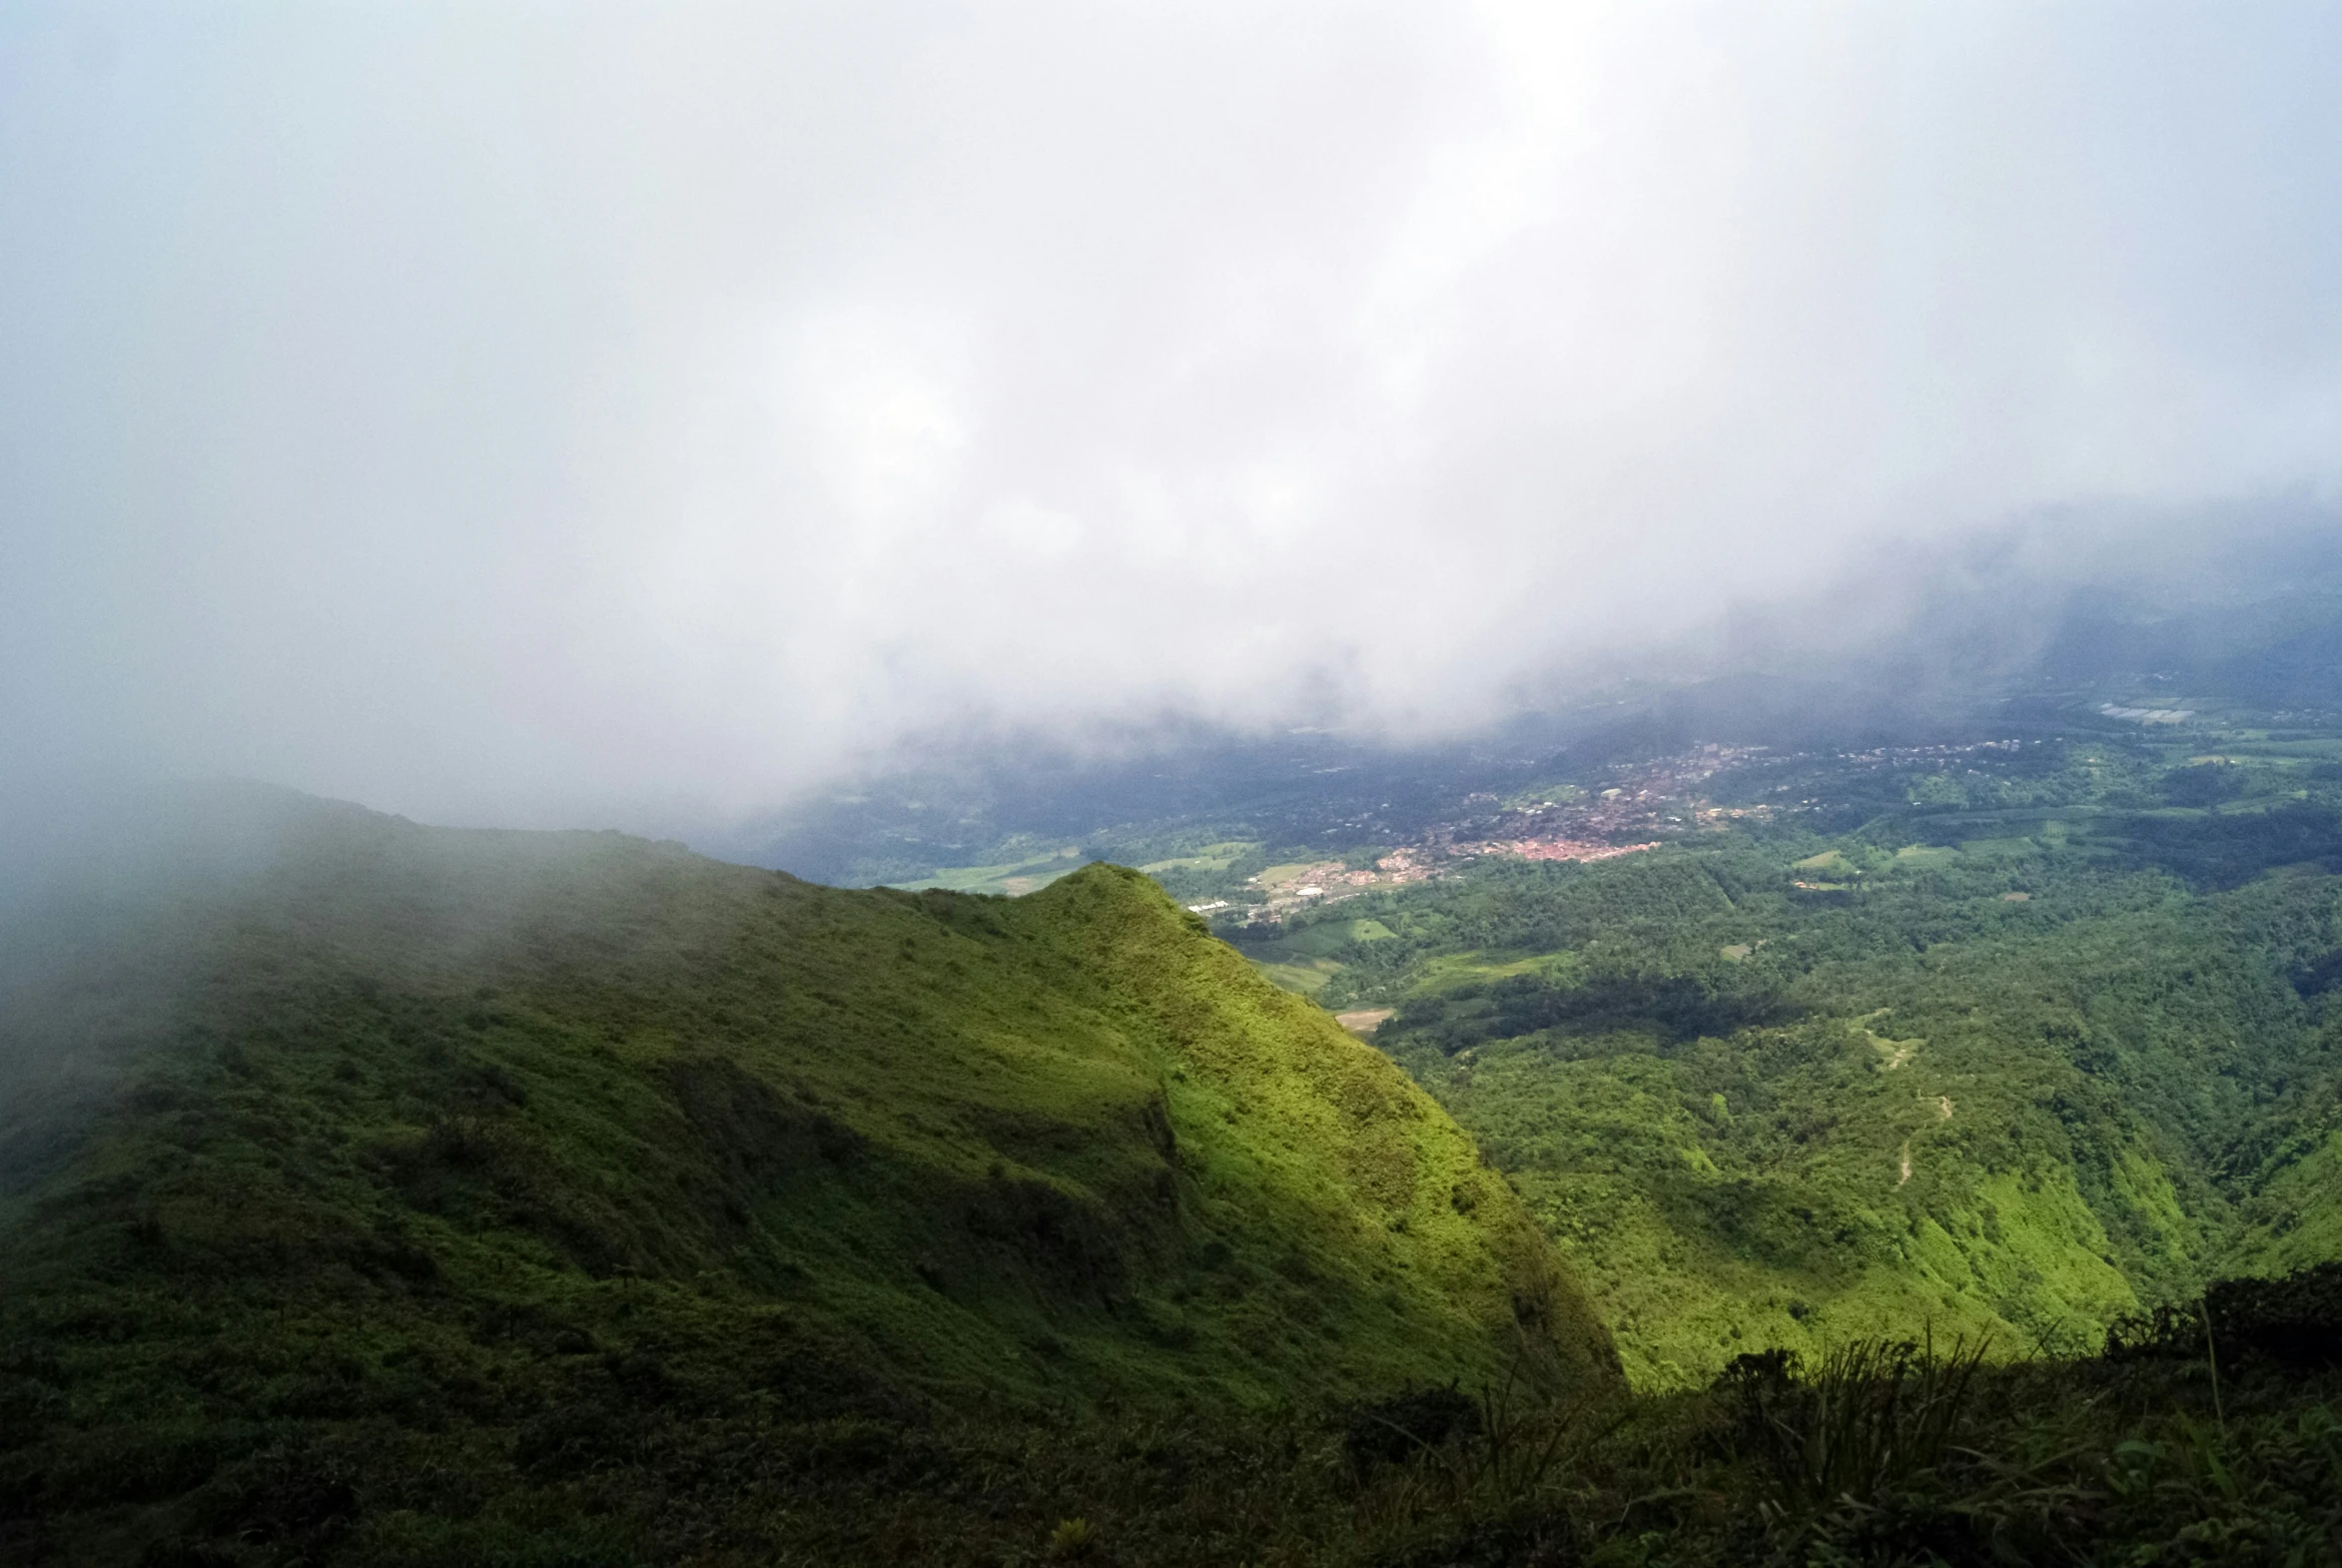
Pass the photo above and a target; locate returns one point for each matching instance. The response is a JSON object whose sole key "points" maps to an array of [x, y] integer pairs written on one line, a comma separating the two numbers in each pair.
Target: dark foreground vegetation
{"points": [[2175, 1448]]}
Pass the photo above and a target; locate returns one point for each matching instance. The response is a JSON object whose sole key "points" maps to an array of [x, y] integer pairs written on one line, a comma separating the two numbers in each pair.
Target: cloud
{"points": [[581, 414]]}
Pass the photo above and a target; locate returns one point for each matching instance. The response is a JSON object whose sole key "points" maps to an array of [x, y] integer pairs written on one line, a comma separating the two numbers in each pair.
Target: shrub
{"points": [[1871, 1416]]}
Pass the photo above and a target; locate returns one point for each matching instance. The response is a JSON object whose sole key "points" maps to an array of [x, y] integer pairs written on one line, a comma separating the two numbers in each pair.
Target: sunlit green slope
{"points": [[2016, 1088], [495, 1151]]}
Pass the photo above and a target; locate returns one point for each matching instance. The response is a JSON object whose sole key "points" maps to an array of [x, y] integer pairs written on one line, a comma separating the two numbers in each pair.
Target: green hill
{"points": [[404, 1185]]}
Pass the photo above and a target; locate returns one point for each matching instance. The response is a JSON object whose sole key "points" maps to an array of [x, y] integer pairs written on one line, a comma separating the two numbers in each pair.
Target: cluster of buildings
{"points": [[1632, 816], [1563, 849]]}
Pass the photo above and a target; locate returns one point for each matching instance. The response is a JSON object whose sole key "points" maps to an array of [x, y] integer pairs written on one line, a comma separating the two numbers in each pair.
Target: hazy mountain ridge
{"points": [[521, 1146]]}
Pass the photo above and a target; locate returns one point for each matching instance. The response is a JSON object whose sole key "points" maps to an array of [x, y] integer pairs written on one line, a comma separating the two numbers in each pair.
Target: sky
{"points": [[575, 413]]}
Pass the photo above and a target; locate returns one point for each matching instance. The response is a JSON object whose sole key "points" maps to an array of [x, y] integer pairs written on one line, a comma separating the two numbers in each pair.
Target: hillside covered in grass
{"points": [[2005, 1040], [441, 1195]]}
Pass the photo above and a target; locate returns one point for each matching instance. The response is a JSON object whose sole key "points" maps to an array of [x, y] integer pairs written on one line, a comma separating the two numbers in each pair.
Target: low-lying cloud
{"points": [[615, 413]]}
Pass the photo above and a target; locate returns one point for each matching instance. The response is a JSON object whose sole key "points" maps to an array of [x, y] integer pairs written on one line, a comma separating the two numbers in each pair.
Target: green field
{"points": [[1304, 962], [1209, 857], [1008, 879]]}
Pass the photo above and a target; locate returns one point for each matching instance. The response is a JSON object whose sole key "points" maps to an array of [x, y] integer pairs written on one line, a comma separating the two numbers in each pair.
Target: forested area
{"points": [[1777, 1087]]}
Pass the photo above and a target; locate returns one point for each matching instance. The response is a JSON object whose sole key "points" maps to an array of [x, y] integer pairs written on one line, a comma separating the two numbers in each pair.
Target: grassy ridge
{"points": [[415, 1179]]}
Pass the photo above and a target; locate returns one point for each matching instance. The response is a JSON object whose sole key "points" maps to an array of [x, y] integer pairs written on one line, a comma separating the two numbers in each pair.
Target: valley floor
{"points": [[2003, 1040]]}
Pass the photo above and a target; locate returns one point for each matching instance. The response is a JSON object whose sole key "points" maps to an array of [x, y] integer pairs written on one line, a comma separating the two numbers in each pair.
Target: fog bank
{"points": [[597, 414]]}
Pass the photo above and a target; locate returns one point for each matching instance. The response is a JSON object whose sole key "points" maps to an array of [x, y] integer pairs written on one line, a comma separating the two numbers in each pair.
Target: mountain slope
{"points": [[500, 1151]]}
